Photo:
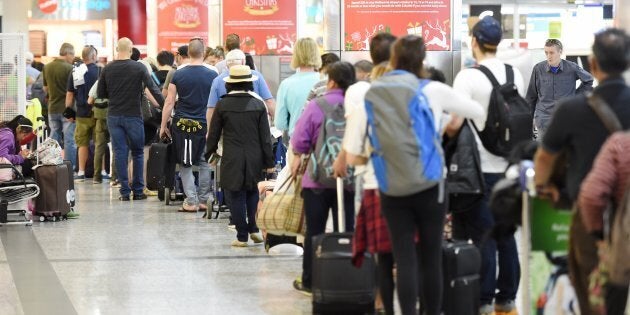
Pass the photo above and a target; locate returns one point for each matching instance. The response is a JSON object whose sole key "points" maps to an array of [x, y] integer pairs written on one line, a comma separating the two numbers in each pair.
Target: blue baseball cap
{"points": [[488, 32]]}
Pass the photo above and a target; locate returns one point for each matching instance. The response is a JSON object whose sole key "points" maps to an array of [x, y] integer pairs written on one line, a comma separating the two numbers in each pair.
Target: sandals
{"points": [[188, 208]]}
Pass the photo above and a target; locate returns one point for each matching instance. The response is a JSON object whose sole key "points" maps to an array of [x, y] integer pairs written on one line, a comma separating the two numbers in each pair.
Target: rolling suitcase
{"points": [[53, 202], [461, 263], [160, 169], [70, 194], [337, 285]]}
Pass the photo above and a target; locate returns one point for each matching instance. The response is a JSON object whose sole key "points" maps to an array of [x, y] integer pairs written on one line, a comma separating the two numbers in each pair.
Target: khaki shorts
{"points": [[84, 131]]}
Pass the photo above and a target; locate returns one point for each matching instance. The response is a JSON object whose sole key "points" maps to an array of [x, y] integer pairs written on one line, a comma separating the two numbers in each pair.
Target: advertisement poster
{"points": [[266, 27], [74, 10], [179, 21], [430, 19]]}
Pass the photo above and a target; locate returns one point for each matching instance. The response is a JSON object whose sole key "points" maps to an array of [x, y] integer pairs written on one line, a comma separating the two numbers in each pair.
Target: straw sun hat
{"points": [[240, 73]]}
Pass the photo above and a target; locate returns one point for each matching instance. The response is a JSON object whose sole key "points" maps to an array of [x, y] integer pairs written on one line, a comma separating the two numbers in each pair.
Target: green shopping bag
{"points": [[550, 227]]}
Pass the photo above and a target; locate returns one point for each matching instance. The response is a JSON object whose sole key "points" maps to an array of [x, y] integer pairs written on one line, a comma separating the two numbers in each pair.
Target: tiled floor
{"points": [[142, 257]]}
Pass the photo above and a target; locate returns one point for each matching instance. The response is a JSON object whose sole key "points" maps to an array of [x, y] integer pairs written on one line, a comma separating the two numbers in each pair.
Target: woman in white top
{"points": [[419, 212]]}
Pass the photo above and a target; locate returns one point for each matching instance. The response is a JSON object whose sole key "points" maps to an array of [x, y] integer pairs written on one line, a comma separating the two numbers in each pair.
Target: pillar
{"points": [[132, 22]]}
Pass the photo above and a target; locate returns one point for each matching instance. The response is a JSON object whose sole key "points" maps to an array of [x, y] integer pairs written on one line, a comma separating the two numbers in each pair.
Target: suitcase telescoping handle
{"points": [[341, 213]]}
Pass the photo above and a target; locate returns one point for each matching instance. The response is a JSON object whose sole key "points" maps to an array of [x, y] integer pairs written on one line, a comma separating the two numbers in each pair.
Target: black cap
{"points": [[488, 32], [183, 51]]}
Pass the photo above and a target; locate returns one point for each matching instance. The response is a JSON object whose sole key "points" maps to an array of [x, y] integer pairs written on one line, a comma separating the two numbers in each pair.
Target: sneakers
{"points": [[79, 178], [139, 197], [150, 192], [256, 238], [237, 243], [506, 308], [486, 309], [105, 176], [72, 215], [97, 181], [115, 184], [124, 198], [297, 284]]}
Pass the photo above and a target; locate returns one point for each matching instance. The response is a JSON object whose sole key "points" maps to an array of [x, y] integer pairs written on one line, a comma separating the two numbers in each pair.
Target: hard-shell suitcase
{"points": [[161, 170], [70, 194], [53, 200], [337, 285], [461, 263]]}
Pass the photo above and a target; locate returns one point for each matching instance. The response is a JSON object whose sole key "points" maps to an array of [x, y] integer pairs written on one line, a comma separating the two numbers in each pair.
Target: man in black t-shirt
{"points": [[577, 129], [78, 93], [122, 82]]}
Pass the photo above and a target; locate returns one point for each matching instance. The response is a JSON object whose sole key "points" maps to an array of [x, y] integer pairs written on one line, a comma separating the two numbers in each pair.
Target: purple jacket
{"points": [[307, 130], [7, 147]]}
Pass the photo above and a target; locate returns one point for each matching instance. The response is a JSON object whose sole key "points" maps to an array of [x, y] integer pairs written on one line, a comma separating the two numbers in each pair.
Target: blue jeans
{"points": [[127, 133], [243, 204], [477, 224], [62, 130]]}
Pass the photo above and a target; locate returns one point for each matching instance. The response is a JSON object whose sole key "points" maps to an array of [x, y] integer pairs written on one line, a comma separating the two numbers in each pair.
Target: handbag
{"points": [[49, 153], [282, 213], [6, 174]]}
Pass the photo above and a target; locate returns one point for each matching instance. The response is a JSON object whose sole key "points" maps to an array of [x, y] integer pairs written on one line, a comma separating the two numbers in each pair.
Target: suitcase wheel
{"points": [[42, 218], [161, 194], [53, 218], [167, 196]]}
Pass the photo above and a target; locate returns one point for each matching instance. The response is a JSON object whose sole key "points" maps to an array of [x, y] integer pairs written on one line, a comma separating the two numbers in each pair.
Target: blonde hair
{"points": [[306, 54], [379, 70], [124, 45]]}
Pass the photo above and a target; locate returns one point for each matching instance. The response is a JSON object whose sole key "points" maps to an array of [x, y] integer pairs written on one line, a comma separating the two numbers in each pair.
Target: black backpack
{"points": [[37, 90], [509, 120]]}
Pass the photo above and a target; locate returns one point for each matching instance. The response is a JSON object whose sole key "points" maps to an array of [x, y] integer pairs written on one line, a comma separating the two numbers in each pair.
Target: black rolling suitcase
{"points": [[338, 286], [461, 263], [160, 169]]}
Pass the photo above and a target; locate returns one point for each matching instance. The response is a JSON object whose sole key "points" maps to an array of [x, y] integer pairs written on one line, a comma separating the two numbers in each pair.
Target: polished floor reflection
{"points": [[140, 257]]}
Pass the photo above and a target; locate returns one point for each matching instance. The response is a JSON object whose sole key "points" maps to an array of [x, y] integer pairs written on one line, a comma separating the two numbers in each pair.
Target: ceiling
{"points": [[535, 2]]}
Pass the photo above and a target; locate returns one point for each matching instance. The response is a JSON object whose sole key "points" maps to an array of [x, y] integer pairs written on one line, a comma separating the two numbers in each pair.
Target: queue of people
{"points": [[225, 109]]}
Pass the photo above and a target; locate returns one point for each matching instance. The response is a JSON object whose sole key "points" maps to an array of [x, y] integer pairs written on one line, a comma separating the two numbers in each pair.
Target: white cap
{"points": [[235, 54], [29, 56]]}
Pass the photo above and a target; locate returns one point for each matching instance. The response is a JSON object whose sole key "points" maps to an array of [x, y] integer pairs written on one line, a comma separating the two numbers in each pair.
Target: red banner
{"points": [[179, 21], [430, 19], [266, 27]]}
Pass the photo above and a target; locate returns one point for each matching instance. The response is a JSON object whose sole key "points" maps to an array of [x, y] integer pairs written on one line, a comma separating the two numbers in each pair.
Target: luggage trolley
{"points": [[218, 205], [544, 229]]}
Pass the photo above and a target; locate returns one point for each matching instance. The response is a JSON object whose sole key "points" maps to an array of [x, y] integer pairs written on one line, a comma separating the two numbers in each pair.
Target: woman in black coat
{"points": [[241, 118]]}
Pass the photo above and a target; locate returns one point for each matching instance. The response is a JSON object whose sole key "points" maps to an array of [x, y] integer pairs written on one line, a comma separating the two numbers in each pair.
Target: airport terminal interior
{"points": [[158, 254]]}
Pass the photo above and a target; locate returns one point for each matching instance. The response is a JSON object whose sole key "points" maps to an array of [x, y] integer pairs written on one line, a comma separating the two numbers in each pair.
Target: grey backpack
{"points": [[328, 144]]}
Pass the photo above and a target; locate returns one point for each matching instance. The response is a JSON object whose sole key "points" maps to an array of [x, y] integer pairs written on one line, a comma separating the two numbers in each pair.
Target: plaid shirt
{"points": [[370, 234]]}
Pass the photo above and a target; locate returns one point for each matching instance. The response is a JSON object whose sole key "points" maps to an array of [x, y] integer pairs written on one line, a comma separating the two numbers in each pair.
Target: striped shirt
{"points": [[608, 179]]}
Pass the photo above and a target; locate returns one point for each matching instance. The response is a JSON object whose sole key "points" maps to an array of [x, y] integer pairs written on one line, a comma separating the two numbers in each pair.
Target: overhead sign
{"points": [[266, 27], [430, 19], [179, 21], [73, 10]]}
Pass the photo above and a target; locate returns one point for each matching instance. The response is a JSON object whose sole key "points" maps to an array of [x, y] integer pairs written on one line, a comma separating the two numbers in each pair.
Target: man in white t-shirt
{"points": [[476, 223]]}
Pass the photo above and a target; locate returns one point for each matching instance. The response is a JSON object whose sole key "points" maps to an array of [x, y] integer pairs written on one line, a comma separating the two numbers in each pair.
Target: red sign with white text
{"points": [[179, 21], [266, 27], [430, 19]]}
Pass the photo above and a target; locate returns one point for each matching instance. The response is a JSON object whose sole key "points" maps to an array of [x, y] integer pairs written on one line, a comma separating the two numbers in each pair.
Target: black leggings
{"points": [[405, 215], [385, 271]]}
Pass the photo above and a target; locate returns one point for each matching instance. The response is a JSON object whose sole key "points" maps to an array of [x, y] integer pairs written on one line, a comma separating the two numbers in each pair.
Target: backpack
{"points": [[37, 91], [464, 179], [328, 144], [509, 119], [407, 153]]}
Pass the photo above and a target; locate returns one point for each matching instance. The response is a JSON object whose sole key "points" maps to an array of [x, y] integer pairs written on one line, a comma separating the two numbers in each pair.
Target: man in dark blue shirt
{"points": [[189, 127], [79, 84], [553, 80]]}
